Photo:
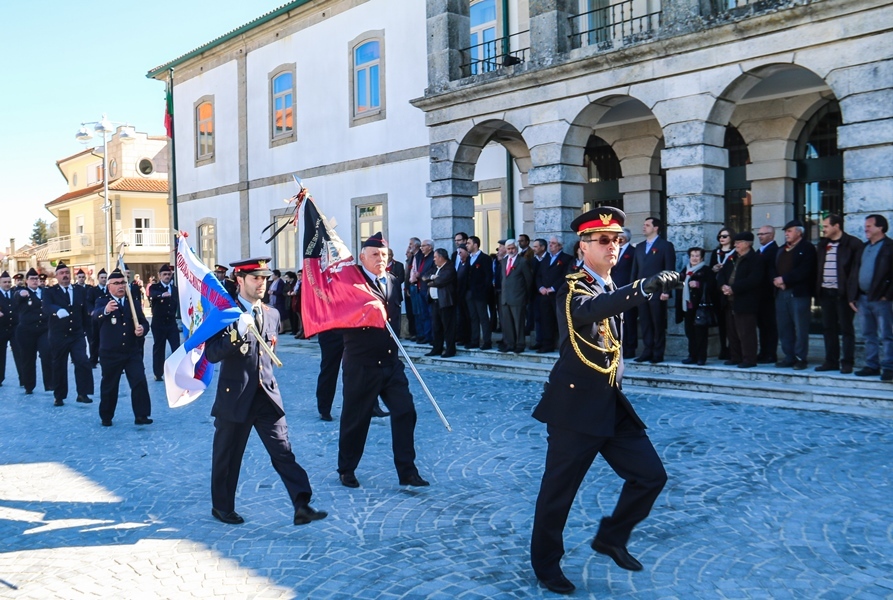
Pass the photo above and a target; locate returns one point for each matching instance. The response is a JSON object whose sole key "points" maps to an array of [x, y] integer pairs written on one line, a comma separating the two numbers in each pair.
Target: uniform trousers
{"points": [[230, 439], [131, 365], [653, 328], [837, 326], [163, 334], [362, 385], [548, 321], [514, 320], [7, 339], [74, 346], [331, 349], [93, 342], [30, 344], [570, 454]]}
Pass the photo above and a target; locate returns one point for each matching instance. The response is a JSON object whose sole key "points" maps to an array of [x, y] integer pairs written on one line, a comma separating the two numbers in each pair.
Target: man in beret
{"points": [[372, 369], [32, 334], [248, 396], [121, 351], [740, 281], [585, 410], [165, 301], [18, 280], [65, 307], [795, 266]]}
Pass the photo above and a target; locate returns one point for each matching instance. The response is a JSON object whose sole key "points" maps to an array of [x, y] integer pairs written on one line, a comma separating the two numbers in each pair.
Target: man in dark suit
{"points": [[121, 352], [442, 289], [517, 282], [165, 301], [463, 319], [585, 410], [795, 283], [65, 307], [31, 334], [228, 284], [248, 396], [477, 296], [766, 323], [372, 368], [652, 256], [549, 279], [741, 280], [95, 293], [622, 274], [838, 256], [8, 322]]}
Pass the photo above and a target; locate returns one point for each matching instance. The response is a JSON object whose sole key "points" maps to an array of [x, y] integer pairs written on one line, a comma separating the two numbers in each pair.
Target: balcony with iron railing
{"points": [[615, 26], [495, 54], [145, 240]]}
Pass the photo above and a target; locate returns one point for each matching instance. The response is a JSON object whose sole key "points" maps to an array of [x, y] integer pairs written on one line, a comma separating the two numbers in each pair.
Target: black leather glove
{"points": [[663, 282]]}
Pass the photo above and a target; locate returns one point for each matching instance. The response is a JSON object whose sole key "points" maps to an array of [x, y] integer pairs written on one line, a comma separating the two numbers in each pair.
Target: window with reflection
{"points": [[370, 220], [367, 77], [482, 15], [283, 104], [738, 201], [285, 254], [207, 244], [819, 185], [204, 129]]}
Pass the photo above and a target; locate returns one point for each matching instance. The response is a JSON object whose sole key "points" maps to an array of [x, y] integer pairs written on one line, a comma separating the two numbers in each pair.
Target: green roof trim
{"points": [[276, 12]]}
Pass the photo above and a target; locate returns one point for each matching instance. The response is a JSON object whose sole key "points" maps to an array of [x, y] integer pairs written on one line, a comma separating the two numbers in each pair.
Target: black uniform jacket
{"points": [[29, 312], [54, 299], [164, 309], [578, 397], [241, 374], [374, 345], [116, 329], [9, 320]]}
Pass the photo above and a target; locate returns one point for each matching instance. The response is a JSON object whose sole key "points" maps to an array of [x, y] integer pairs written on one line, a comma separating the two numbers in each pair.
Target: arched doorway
{"points": [[603, 174], [819, 185]]}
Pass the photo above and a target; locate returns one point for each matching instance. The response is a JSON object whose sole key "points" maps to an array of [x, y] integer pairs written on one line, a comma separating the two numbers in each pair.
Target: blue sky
{"points": [[66, 62]]}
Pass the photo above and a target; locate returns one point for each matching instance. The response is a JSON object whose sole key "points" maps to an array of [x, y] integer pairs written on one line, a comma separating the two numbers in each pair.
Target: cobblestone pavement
{"points": [[762, 502]]}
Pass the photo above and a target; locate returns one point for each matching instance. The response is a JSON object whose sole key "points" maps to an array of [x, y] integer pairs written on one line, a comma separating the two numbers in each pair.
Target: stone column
{"points": [[451, 191], [550, 29], [771, 177], [557, 200], [449, 31], [679, 16]]}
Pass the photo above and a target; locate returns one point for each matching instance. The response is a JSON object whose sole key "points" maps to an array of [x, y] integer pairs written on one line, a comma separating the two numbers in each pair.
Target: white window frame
{"points": [[204, 149], [287, 135], [357, 235], [376, 113], [207, 242], [284, 247]]}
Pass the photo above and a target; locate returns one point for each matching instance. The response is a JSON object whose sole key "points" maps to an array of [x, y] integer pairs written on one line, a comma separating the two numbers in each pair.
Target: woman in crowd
{"points": [[718, 258], [700, 284]]}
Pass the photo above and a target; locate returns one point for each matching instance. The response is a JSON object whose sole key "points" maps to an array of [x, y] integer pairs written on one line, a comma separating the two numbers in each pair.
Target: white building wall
{"points": [[225, 209]]}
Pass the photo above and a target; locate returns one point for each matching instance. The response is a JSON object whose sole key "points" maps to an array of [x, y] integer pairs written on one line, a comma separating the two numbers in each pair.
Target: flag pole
{"points": [[263, 344], [418, 376], [136, 322]]}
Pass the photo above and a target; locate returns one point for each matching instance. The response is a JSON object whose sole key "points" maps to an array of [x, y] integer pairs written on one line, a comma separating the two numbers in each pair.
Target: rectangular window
{"points": [[94, 174], [204, 130], [483, 36], [368, 84], [370, 220], [79, 224], [283, 104], [284, 248], [207, 244], [488, 218]]}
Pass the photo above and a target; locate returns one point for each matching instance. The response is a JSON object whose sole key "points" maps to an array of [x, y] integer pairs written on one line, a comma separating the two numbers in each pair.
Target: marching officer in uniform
{"points": [[248, 396], [65, 307], [586, 412], [165, 301], [121, 352], [95, 293], [18, 280], [228, 284], [8, 322], [372, 368], [32, 334]]}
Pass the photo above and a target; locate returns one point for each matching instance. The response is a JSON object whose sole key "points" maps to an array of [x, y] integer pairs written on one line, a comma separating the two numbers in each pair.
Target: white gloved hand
{"points": [[245, 320], [62, 313]]}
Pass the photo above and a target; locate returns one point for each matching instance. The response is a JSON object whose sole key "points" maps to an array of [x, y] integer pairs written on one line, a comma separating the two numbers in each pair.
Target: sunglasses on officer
{"points": [[604, 240]]}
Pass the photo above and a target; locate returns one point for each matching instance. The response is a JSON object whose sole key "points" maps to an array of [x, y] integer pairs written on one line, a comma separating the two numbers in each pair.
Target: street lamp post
{"points": [[104, 126]]}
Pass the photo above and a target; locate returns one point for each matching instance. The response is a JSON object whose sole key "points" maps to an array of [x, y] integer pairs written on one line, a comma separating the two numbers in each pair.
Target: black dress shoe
{"points": [[887, 375], [503, 348], [688, 361], [867, 372], [641, 359], [747, 365], [434, 353], [306, 513], [800, 365], [448, 354], [377, 412], [106, 422], [349, 480], [701, 363], [656, 361], [29, 392], [142, 421], [230, 518], [620, 555], [730, 363], [846, 369], [414, 480], [543, 350], [558, 584], [785, 364], [84, 399], [535, 347], [58, 403], [326, 417], [486, 346], [157, 378], [826, 367]]}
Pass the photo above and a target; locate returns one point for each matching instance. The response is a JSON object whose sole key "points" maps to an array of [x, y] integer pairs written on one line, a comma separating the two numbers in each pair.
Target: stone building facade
{"points": [[704, 112]]}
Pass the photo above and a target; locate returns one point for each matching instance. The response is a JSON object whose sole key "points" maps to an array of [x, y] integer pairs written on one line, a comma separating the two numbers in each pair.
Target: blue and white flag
{"points": [[205, 309]]}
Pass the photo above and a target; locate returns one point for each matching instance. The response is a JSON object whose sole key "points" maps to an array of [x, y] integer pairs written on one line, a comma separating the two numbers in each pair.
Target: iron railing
{"points": [[614, 25], [493, 55]]}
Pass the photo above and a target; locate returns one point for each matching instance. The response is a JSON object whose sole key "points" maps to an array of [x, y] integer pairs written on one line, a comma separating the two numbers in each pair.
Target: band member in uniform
{"points": [[586, 412], [96, 292], [32, 335], [121, 352], [372, 368], [248, 396], [18, 280], [65, 307], [164, 299], [228, 284], [8, 322]]}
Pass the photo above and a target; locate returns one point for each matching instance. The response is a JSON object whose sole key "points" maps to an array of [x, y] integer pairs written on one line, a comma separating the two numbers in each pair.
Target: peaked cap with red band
{"points": [[259, 266], [606, 219]]}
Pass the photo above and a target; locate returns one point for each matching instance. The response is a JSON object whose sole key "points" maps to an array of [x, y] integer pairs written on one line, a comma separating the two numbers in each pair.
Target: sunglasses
{"points": [[605, 240], [724, 235]]}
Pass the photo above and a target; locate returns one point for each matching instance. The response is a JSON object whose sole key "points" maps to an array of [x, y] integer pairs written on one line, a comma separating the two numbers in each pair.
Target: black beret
{"points": [[375, 241], [31, 272], [61, 266], [794, 223], [101, 272], [116, 274], [744, 236], [165, 269], [4, 274]]}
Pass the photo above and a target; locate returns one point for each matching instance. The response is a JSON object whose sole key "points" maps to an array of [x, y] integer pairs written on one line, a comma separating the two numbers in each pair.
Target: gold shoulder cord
{"points": [[605, 331]]}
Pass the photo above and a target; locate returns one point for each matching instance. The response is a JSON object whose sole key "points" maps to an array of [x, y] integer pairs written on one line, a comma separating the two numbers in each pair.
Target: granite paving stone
{"points": [[763, 501]]}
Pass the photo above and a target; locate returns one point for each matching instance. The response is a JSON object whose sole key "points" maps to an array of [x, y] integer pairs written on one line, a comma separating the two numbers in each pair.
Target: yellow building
{"points": [[90, 232]]}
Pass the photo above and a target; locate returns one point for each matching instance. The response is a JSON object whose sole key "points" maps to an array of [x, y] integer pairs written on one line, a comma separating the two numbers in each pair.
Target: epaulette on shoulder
{"points": [[575, 276]]}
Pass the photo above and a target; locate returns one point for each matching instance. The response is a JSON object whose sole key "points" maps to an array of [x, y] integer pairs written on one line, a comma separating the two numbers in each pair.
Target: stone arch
{"points": [[482, 134]]}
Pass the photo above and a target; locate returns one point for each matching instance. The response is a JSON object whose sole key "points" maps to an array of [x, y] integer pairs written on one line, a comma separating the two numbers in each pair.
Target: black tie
{"points": [[257, 318]]}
